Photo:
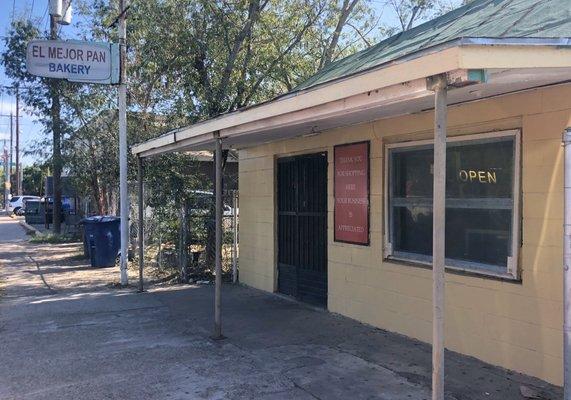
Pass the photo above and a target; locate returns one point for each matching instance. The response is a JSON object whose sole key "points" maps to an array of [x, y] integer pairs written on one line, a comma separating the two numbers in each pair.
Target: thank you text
{"points": [[352, 193]]}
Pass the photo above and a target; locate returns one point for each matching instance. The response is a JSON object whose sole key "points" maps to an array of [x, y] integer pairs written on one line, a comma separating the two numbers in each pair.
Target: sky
{"points": [[30, 129]]}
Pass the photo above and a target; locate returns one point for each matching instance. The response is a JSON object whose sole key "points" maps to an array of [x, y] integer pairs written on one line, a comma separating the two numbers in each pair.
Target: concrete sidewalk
{"points": [[67, 334]]}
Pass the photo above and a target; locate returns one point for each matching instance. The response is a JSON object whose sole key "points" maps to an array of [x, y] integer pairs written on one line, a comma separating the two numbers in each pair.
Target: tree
{"points": [[40, 95], [33, 179], [191, 60], [410, 12]]}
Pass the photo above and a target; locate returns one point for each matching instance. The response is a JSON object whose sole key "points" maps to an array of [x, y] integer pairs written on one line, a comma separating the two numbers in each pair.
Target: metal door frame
{"points": [[291, 158]]}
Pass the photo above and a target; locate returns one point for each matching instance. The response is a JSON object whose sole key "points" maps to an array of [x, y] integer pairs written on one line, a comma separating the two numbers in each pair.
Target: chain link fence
{"points": [[180, 237]]}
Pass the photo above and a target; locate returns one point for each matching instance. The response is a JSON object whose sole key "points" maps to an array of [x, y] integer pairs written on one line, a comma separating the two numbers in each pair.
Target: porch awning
{"points": [[475, 72], [487, 48]]}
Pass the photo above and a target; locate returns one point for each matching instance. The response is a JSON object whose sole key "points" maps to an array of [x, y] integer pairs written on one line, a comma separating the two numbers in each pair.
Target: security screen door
{"points": [[302, 227]]}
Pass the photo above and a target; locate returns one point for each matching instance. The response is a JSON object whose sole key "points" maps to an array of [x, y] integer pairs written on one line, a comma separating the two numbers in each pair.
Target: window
{"points": [[482, 196]]}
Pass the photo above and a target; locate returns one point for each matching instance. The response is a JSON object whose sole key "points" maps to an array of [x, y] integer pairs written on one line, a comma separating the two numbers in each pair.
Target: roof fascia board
{"points": [[163, 140], [468, 53], [394, 94], [175, 145], [375, 99], [431, 64], [514, 56], [372, 99], [518, 41], [417, 68]]}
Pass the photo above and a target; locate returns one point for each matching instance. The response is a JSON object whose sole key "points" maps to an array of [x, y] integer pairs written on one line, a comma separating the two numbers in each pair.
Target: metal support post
{"points": [[235, 242], [141, 235], [218, 247], [438, 236], [123, 189], [566, 267]]}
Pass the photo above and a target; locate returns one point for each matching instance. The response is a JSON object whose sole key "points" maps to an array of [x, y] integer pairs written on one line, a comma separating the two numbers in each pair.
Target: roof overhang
{"points": [[476, 69]]}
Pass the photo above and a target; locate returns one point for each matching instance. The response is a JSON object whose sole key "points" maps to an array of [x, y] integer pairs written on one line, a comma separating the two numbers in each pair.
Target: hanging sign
{"points": [[351, 184], [75, 61]]}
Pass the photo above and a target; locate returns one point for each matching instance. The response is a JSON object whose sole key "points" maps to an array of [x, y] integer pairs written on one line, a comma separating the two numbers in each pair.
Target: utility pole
{"points": [[56, 137], [6, 178], [18, 181], [123, 189], [11, 147]]}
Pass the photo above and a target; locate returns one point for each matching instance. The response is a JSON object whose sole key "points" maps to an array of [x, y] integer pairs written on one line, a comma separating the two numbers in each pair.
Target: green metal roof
{"points": [[484, 19]]}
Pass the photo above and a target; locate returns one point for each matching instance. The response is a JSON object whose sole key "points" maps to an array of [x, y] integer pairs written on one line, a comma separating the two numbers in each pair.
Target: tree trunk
{"points": [[98, 195]]}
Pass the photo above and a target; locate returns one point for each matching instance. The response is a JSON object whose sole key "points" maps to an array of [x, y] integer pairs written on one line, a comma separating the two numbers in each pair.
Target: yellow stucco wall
{"points": [[514, 325]]}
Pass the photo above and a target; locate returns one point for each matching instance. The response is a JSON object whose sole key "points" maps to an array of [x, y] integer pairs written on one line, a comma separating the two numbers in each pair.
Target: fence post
{"points": [[160, 260], [183, 259]]}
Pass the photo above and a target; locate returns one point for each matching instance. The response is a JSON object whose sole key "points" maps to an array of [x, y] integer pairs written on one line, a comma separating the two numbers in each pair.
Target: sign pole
{"points": [[123, 189], [18, 185]]}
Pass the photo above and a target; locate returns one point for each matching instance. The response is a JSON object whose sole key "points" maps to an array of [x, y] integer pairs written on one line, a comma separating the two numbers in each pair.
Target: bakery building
{"points": [[337, 178]]}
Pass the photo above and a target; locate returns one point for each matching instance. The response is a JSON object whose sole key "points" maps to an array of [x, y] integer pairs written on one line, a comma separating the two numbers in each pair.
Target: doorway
{"points": [[302, 227]]}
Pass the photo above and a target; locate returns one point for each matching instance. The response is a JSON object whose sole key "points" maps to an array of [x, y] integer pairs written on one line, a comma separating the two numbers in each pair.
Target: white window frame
{"points": [[513, 271]]}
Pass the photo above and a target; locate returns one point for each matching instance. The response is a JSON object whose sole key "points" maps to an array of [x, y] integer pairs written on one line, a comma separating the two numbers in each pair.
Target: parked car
{"points": [[17, 204], [201, 201]]}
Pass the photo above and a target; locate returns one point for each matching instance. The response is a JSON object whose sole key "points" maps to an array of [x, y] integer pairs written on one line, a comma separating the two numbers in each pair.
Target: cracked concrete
{"points": [[67, 334]]}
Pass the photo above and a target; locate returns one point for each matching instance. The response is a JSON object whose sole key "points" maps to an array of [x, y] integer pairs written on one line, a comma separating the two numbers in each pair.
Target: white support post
{"points": [[218, 247], [123, 188], [438, 235], [235, 234], [566, 267], [141, 209]]}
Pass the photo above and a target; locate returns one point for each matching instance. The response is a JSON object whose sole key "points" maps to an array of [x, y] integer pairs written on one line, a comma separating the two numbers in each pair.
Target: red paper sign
{"points": [[352, 193]]}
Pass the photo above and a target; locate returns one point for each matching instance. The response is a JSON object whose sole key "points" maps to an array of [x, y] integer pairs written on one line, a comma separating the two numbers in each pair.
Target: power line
{"points": [[17, 87], [32, 9], [44, 16]]}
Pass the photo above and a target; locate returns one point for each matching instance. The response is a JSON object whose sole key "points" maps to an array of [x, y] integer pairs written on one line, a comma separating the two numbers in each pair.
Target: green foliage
{"points": [[35, 91], [33, 179], [190, 60], [50, 238], [412, 12]]}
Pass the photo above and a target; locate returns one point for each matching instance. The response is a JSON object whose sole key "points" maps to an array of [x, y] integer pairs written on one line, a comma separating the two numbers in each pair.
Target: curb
{"points": [[30, 230]]}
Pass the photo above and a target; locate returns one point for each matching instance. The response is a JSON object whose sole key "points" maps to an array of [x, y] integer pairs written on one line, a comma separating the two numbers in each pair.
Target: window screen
{"points": [[479, 202]]}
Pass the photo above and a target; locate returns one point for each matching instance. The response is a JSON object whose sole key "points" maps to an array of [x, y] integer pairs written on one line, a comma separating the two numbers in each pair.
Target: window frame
{"points": [[513, 271]]}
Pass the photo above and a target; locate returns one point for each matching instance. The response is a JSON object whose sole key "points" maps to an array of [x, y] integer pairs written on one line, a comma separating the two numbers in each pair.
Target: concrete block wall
{"points": [[517, 325]]}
